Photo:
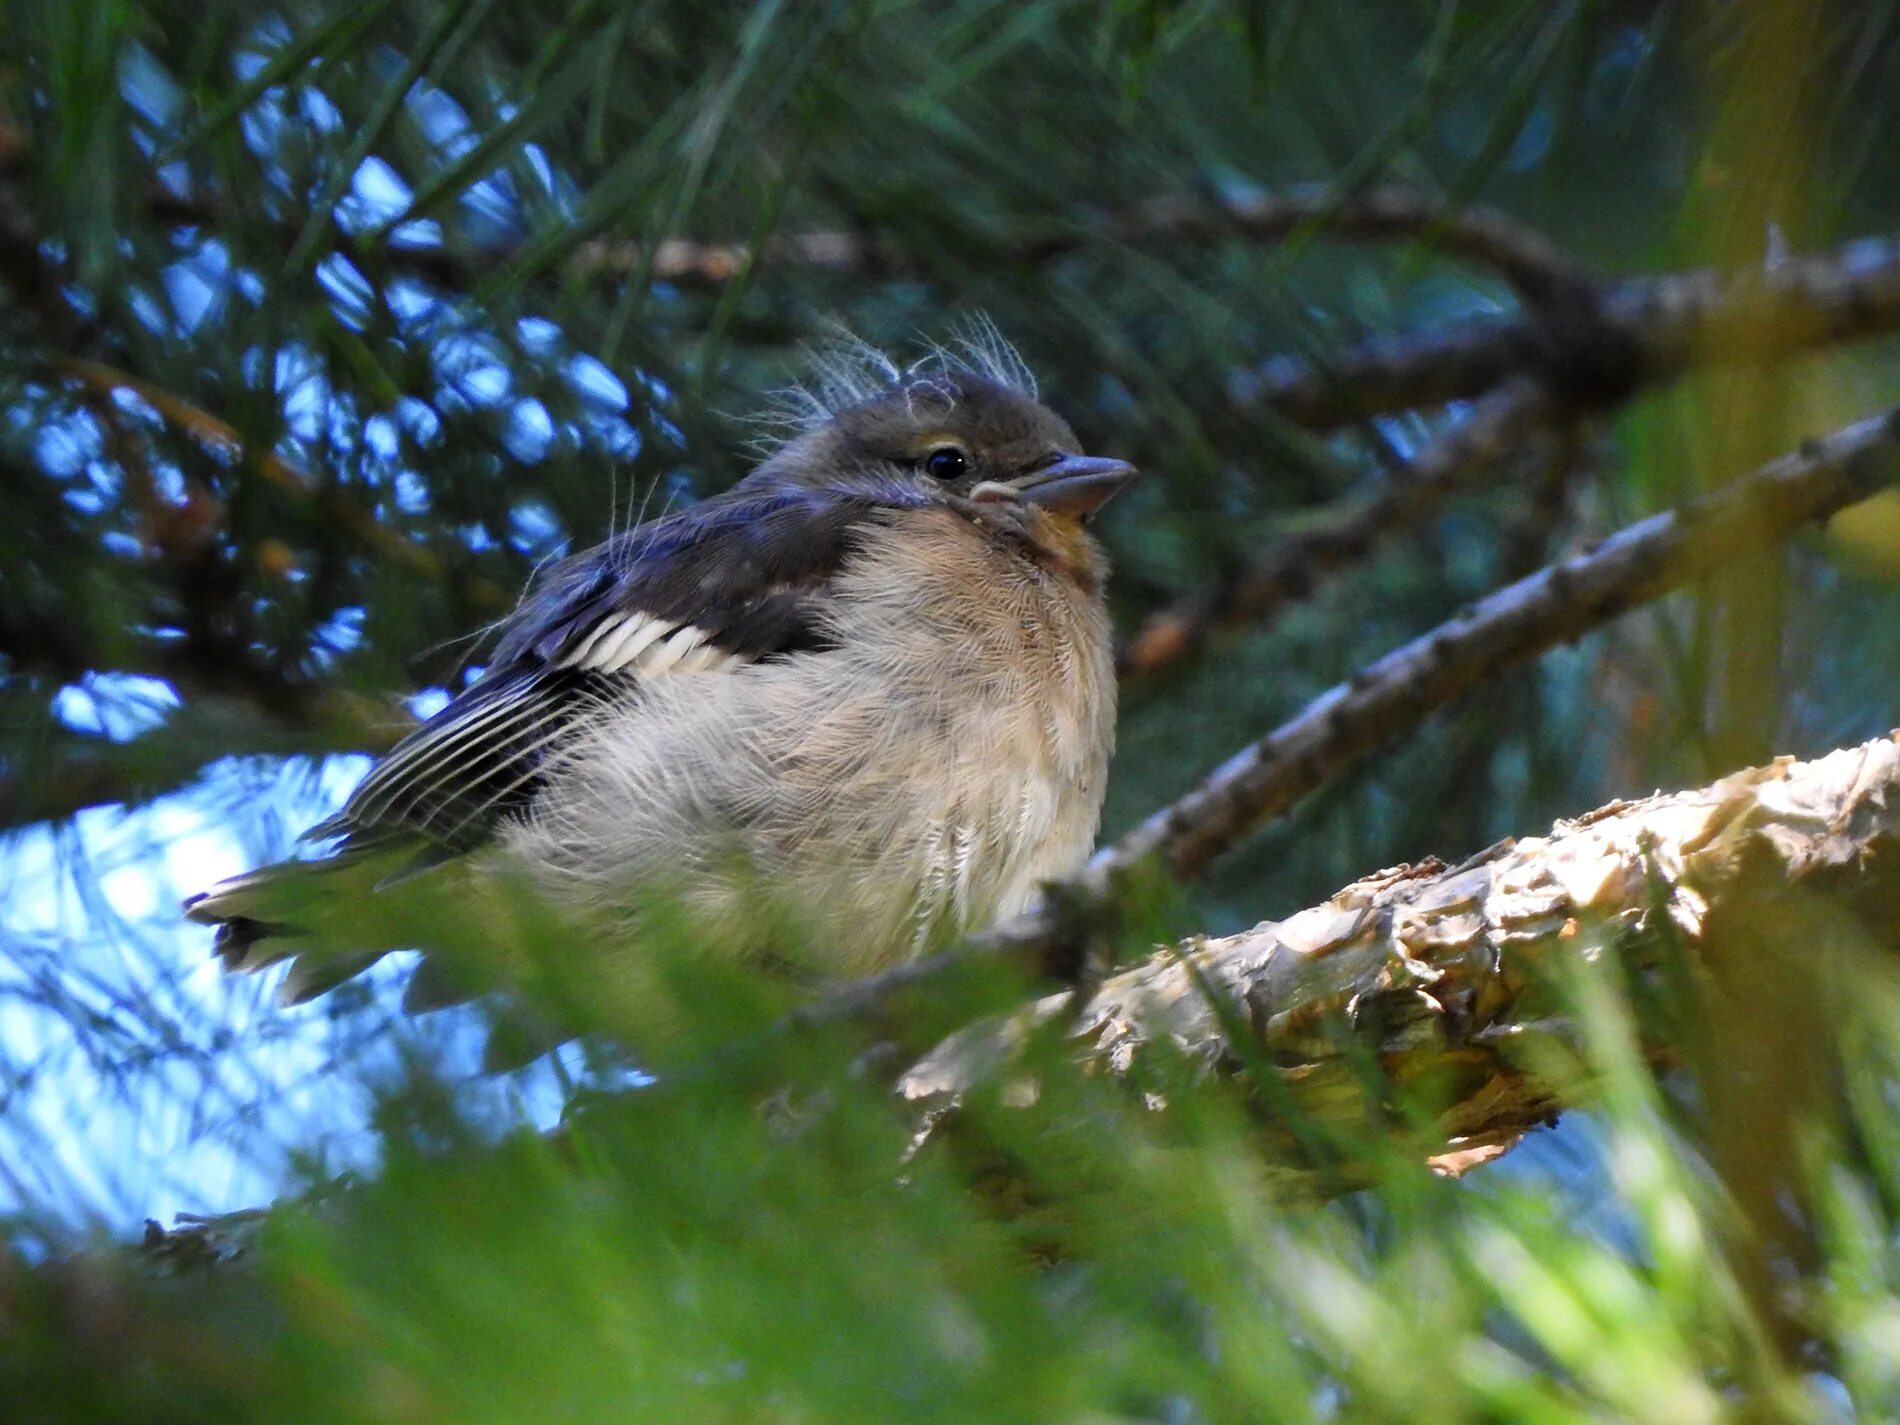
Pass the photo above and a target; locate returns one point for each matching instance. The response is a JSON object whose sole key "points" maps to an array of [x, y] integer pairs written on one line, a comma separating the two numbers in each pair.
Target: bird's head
{"points": [[954, 433]]}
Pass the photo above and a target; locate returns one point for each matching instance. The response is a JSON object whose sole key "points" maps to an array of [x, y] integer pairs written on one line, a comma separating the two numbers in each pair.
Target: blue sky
{"points": [[137, 1079]]}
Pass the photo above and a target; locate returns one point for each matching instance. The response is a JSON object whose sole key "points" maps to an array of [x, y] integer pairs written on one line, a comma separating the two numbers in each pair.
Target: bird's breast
{"points": [[942, 755], [989, 673]]}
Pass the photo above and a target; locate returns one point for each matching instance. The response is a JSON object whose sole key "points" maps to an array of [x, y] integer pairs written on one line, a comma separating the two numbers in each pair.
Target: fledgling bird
{"points": [[869, 688]]}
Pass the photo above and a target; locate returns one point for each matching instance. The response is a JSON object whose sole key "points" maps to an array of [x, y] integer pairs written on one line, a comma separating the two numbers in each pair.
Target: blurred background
{"points": [[322, 326]]}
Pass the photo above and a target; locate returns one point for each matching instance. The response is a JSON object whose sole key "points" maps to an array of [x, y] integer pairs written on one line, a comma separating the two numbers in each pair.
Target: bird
{"points": [[866, 693]]}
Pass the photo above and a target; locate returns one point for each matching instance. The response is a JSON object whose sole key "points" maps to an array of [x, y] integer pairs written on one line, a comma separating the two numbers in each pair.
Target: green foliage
{"points": [[701, 1249]]}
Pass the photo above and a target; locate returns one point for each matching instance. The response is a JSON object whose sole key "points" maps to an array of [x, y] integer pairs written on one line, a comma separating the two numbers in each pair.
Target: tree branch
{"points": [[1420, 975], [1536, 267], [1638, 333], [1462, 456], [1445, 976], [1550, 608]]}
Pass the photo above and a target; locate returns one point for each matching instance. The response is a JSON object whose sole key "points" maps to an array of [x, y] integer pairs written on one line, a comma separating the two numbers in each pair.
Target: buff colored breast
{"points": [[917, 780]]}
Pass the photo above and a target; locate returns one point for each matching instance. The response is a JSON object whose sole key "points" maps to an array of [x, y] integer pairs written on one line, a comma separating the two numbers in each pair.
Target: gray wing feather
{"points": [[452, 779], [728, 582]]}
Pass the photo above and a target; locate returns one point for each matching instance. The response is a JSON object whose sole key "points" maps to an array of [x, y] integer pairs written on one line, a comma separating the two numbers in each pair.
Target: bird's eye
{"points": [[946, 462]]}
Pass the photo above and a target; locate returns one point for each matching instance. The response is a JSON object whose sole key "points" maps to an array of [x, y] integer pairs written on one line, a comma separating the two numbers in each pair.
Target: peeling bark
{"points": [[1443, 975]]}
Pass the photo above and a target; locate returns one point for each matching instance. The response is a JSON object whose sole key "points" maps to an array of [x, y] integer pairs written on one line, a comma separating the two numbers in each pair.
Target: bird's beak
{"points": [[1076, 485]]}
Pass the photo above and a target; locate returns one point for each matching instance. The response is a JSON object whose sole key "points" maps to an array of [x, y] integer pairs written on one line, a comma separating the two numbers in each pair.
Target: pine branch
{"points": [[1634, 334], [1536, 267], [1550, 608], [1443, 976], [1422, 975], [1503, 424]]}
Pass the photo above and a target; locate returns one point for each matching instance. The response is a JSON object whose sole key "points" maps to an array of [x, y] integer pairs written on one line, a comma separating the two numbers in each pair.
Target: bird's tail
{"points": [[290, 912], [300, 912], [243, 942]]}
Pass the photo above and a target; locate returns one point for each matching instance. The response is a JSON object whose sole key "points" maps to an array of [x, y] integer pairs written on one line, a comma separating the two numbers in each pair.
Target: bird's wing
{"points": [[709, 589]]}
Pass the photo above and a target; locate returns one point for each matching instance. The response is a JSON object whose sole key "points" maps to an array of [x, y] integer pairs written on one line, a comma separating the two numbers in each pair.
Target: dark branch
{"points": [[1537, 268], [1640, 333], [1501, 425]]}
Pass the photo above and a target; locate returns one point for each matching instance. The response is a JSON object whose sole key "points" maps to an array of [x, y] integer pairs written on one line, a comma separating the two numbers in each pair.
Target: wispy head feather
{"points": [[978, 346], [845, 371]]}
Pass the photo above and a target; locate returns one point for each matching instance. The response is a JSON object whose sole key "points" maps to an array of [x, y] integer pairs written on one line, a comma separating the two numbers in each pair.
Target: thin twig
{"points": [[1527, 534], [1534, 265], [1347, 534]]}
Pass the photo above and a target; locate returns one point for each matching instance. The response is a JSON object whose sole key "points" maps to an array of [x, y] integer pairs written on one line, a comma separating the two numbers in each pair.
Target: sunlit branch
{"points": [[1428, 976]]}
